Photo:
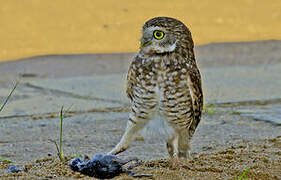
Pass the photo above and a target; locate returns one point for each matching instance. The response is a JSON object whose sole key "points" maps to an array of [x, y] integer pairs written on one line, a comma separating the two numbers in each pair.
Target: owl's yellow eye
{"points": [[158, 34]]}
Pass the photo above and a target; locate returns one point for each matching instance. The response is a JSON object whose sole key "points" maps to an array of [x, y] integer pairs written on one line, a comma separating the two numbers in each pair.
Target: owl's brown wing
{"points": [[195, 88], [130, 81]]}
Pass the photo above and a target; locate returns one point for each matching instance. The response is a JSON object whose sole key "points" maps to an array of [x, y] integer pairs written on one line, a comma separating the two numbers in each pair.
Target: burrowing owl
{"points": [[164, 83]]}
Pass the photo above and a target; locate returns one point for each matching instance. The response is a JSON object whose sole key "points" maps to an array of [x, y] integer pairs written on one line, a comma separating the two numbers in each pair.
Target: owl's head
{"points": [[163, 35]]}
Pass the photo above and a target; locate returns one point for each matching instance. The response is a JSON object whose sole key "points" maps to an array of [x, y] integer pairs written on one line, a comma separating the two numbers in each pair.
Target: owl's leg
{"points": [[132, 129], [172, 147], [184, 140]]}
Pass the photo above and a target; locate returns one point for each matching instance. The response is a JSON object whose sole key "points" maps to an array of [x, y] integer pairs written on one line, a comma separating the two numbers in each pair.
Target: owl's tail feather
{"points": [[195, 121]]}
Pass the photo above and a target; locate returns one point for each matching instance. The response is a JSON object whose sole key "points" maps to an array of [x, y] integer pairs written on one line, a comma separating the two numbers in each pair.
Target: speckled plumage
{"points": [[164, 79]]}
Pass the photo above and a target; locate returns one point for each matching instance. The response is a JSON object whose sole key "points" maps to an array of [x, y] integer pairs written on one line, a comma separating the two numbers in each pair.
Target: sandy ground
{"points": [[38, 27], [224, 146], [263, 159]]}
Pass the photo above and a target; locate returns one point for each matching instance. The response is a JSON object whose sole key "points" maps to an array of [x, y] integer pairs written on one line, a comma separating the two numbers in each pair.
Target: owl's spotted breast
{"points": [[159, 84]]}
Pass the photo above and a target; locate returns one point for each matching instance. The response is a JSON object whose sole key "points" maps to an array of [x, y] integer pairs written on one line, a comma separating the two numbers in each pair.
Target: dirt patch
{"points": [[263, 159]]}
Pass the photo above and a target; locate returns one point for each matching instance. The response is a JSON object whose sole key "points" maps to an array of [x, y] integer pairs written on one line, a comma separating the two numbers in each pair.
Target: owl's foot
{"points": [[175, 162], [117, 150]]}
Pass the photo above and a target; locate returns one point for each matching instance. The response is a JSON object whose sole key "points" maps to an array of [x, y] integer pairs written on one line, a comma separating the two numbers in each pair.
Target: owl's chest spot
{"points": [[160, 88], [157, 80]]}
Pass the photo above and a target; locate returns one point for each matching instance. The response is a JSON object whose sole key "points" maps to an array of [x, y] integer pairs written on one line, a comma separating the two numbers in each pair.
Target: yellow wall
{"points": [[37, 27]]}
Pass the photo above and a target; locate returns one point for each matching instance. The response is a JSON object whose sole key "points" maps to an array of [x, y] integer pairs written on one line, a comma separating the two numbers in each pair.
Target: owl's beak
{"points": [[144, 42]]}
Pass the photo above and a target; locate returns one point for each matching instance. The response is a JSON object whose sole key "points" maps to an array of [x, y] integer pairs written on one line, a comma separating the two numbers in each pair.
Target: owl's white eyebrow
{"points": [[152, 28]]}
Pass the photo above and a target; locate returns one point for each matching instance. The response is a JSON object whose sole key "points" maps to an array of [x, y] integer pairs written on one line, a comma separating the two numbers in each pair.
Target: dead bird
{"points": [[104, 166]]}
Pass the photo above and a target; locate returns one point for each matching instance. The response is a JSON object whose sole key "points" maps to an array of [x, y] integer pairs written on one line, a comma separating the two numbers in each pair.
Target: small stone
{"points": [[14, 169]]}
